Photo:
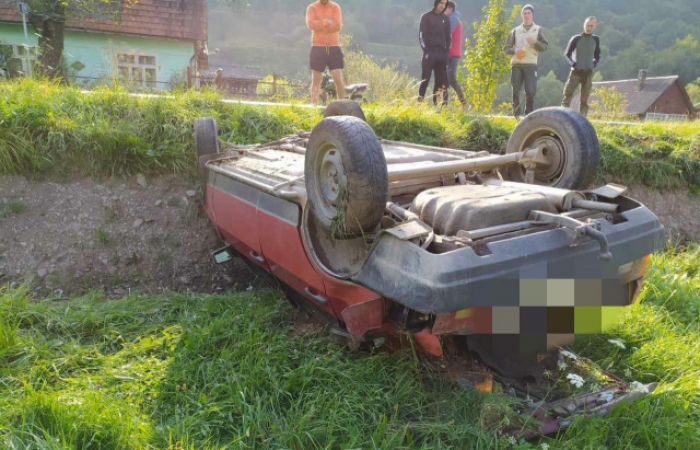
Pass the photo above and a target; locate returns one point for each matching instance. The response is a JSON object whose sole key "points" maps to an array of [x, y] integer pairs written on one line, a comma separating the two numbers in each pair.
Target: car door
{"points": [[280, 239], [234, 206]]}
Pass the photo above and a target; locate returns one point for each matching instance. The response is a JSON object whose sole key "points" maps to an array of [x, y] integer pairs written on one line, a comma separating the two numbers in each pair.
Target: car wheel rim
{"points": [[331, 177], [553, 150]]}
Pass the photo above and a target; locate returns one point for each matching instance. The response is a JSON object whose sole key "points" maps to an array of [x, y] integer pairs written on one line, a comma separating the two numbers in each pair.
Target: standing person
{"points": [[325, 20], [455, 50], [435, 40], [583, 55], [525, 42]]}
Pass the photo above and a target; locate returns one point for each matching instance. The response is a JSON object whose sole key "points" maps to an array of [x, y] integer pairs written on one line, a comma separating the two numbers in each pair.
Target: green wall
{"points": [[97, 52]]}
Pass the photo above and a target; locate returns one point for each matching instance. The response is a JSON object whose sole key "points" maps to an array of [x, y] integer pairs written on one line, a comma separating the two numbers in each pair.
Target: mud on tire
{"points": [[572, 147], [346, 176], [344, 108]]}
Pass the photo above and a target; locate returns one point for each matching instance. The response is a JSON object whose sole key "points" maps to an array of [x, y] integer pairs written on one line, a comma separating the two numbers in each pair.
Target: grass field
{"points": [[215, 372], [51, 129]]}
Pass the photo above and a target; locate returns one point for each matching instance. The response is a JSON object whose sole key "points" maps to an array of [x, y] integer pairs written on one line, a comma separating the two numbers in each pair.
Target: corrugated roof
{"points": [[638, 100], [237, 73], [175, 19]]}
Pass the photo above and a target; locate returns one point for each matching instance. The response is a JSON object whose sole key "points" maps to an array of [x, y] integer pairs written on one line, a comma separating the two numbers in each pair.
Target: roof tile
{"points": [[182, 19]]}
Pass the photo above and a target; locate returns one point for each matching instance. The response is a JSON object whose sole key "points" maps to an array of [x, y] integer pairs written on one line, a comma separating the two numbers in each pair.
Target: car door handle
{"points": [[322, 300], [257, 257]]}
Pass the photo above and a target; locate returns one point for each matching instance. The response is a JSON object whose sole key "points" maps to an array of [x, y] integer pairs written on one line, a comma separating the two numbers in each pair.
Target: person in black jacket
{"points": [[435, 39]]}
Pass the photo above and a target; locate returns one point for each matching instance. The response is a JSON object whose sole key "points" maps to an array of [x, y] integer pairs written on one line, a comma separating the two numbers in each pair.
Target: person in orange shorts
{"points": [[325, 20]]}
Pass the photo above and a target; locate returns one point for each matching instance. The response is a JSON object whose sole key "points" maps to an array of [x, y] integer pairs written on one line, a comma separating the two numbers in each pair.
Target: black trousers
{"points": [[519, 76], [434, 60]]}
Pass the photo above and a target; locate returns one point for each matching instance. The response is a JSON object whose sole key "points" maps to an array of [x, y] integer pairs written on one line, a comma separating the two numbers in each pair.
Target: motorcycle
{"points": [[354, 92]]}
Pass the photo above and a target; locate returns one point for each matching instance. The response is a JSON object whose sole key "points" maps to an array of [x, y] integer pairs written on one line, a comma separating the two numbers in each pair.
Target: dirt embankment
{"points": [[149, 235], [152, 235]]}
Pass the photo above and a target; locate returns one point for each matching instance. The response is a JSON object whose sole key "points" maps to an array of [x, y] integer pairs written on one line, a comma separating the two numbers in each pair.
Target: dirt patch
{"points": [[153, 235], [677, 209], [120, 235]]}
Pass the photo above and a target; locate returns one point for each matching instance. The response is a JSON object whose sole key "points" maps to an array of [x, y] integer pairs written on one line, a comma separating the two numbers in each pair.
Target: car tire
{"points": [[206, 137], [574, 148], [344, 108], [346, 177]]}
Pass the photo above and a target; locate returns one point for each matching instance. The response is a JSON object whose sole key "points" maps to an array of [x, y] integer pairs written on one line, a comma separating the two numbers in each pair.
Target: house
{"points": [[651, 98], [151, 45]]}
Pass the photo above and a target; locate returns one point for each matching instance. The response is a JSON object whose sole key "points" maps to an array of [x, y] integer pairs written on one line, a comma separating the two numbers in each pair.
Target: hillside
{"points": [[644, 34]]}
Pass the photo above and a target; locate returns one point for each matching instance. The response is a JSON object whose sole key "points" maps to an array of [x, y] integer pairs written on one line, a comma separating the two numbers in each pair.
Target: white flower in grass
{"points": [[544, 446], [569, 355], [617, 343], [511, 440], [576, 380], [637, 386]]}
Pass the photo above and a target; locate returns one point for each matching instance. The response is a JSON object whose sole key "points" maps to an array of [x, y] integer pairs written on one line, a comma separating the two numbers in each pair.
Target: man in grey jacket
{"points": [[583, 55], [524, 44]]}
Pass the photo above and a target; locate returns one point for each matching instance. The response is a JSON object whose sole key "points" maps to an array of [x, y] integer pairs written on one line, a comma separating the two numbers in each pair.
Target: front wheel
{"points": [[570, 145], [346, 177]]}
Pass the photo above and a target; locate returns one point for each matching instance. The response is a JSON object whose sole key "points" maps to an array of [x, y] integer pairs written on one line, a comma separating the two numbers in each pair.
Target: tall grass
{"points": [[213, 372], [47, 128]]}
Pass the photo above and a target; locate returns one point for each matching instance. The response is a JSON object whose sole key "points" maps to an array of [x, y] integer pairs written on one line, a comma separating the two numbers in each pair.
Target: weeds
{"points": [[103, 237], [12, 208], [51, 128], [210, 372]]}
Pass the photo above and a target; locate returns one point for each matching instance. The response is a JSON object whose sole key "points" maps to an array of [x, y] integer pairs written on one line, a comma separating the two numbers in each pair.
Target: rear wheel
{"points": [[344, 108], [346, 177], [571, 147]]}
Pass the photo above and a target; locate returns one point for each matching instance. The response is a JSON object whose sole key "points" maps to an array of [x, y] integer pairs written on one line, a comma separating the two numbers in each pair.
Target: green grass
{"points": [[46, 128], [12, 208], [214, 372]]}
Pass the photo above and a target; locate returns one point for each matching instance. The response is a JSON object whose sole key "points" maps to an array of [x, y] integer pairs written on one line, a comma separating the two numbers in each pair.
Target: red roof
{"points": [[176, 19]]}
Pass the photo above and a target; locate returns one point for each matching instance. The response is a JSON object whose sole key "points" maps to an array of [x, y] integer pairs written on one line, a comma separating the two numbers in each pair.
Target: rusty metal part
{"points": [[294, 148], [561, 198], [446, 151], [478, 164], [499, 229], [610, 208], [610, 190], [400, 212], [577, 228], [411, 229]]}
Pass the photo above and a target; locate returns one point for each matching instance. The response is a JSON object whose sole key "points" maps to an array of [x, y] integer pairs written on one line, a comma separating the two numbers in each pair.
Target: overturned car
{"points": [[505, 256]]}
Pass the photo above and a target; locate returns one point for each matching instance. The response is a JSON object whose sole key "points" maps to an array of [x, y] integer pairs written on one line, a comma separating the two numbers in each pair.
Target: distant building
{"points": [[151, 45], [649, 98]]}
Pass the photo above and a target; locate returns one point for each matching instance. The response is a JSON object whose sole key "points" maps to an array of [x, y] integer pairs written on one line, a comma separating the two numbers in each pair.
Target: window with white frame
{"points": [[138, 69], [26, 55]]}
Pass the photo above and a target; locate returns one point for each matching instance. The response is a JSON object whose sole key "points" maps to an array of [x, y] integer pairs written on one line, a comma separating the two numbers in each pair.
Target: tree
{"points": [[48, 18], [485, 62], [609, 103], [549, 91], [694, 91]]}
